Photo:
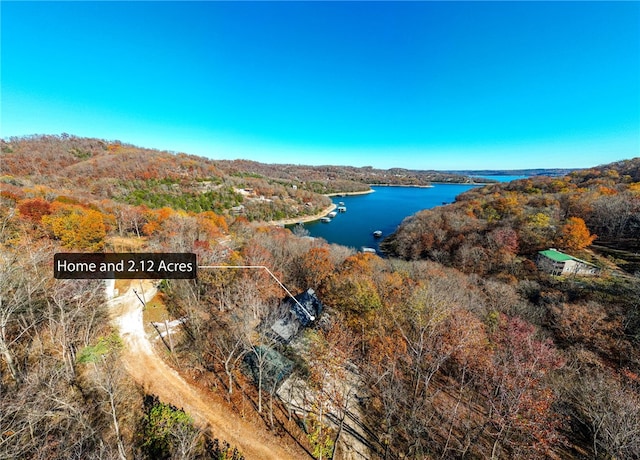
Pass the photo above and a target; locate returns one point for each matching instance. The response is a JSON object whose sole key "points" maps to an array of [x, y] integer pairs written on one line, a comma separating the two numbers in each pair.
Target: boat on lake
{"points": [[342, 209], [332, 214], [368, 250], [377, 233], [325, 220]]}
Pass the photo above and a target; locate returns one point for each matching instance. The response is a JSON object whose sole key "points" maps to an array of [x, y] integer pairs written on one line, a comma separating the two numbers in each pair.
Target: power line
{"points": [[309, 315]]}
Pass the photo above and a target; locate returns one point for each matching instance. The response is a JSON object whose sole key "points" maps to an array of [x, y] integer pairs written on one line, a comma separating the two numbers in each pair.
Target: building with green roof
{"points": [[558, 263]]}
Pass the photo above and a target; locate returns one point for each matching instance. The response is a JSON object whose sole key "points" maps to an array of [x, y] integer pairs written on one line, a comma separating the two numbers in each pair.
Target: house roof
{"points": [[309, 300], [298, 314], [556, 255]]}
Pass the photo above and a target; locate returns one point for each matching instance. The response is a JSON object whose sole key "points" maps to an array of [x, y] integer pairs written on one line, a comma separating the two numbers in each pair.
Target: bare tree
{"points": [[22, 284], [112, 392], [73, 313], [229, 348], [609, 409]]}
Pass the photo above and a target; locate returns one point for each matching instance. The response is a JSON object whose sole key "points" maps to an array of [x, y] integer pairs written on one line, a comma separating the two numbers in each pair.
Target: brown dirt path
{"points": [[156, 377]]}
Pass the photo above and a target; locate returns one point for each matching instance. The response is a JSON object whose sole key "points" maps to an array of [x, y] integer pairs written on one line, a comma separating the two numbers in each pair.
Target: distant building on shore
{"points": [[558, 263], [237, 210]]}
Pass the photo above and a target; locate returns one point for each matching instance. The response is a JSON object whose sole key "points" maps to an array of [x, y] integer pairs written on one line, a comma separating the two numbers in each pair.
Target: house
{"points": [[236, 210], [558, 263], [297, 315]]}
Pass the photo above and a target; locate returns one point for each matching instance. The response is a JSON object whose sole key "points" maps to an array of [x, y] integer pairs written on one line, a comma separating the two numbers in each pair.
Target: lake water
{"points": [[384, 210]]}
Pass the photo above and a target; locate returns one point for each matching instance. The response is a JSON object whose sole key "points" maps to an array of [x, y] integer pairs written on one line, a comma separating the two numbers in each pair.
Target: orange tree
{"points": [[575, 234], [76, 227]]}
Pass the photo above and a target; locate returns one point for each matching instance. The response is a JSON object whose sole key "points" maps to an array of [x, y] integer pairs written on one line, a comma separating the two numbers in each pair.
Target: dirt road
{"points": [[156, 377]]}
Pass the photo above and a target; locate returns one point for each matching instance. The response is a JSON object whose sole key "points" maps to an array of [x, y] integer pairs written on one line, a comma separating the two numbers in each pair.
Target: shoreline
{"points": [[333, 206], [433, 184], [303, 219], [401, 185], [363, 192], [318, 216]]}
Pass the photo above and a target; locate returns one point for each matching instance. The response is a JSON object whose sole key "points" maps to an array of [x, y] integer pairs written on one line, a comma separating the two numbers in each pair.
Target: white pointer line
{"points": [[311, 317]]}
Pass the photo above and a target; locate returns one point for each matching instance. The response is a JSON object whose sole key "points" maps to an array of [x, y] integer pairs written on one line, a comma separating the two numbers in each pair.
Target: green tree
{"points": [[164, 428]]}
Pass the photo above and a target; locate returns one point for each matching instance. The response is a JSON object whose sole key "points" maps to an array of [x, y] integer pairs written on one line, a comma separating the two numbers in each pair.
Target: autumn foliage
{"points": [[316, 266], [33, 209], [76, 227], [575, 234], [458, 349], [487, 228]]}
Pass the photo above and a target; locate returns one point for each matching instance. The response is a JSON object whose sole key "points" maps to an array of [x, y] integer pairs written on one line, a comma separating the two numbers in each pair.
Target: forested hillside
{"points": [[458, 347], [155, 179], [495, 232], [499, 222], [550, 172], [333, 179], [93, 170]]}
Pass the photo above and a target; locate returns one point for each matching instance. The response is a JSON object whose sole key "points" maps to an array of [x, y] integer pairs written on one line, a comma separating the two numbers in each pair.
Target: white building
{"points": [[558, 263]]}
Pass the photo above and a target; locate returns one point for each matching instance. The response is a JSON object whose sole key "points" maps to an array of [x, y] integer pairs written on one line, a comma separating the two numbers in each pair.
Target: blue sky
{"points": [[421, 85]]}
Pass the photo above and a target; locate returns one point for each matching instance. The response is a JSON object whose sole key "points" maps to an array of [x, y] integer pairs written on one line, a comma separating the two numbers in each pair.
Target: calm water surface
{"points": [[383, 210]]}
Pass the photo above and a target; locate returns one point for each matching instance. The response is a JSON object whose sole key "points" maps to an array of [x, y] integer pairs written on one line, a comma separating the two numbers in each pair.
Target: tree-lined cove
{"points": [[383, 210]]}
